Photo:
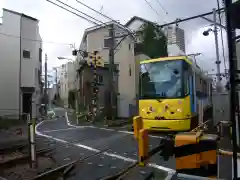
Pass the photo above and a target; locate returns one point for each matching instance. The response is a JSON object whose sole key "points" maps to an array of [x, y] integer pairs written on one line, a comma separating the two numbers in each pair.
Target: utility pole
{"points": [[46, 85], [111, 69], [56, 80], [218, 62], [233, 93]]}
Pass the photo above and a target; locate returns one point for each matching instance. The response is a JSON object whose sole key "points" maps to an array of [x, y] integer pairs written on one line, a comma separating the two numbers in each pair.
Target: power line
{"points": [[220, 21], [174, 22], [152, 8], [98, 12], [36, 40], [104, 15], [162, 7], [74, 13], [80, 11]]}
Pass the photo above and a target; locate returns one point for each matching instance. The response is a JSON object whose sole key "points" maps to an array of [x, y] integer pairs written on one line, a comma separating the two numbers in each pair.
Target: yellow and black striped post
{"points": [[196, 154], [142, 146]]}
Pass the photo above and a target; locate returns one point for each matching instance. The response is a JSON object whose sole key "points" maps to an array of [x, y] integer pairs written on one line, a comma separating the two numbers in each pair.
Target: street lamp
{"points": [[206, 33], [63, 58]]}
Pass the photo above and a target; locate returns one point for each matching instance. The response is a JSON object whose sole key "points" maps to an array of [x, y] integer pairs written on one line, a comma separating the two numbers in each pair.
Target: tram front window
{"points": [[161, 79]]}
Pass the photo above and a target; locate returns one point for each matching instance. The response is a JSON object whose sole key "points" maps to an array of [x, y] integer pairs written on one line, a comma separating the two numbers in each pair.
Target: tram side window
{"points": [[186, 76]]}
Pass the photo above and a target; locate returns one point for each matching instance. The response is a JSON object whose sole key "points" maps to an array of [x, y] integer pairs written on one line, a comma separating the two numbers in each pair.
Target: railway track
{"points": [[61, 172], [15, 158]]}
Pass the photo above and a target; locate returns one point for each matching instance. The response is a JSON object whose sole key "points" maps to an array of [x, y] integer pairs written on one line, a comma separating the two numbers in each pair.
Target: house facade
{"points": [[175, 35], [66, 74], [97, 39], [86, 77], [21, 65]]}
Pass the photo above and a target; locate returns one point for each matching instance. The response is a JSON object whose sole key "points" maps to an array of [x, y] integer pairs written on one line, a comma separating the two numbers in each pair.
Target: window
{"points": [[161, 79], [26, 54], [130, 70], [186, 82], [40, 55], [107, 43], [129, 46]]}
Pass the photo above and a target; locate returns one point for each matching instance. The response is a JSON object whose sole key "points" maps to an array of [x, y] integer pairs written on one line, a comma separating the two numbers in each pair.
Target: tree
{"points": [[153, 42]]}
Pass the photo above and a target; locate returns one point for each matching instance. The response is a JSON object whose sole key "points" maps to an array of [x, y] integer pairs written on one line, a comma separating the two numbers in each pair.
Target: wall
{"points": [[10, 78], [31, 41], [86, 75], [10, 64]]}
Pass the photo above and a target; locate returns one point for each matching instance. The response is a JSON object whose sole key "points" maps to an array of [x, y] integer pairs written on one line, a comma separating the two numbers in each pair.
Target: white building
{"points": [[20, 70], [175, 35], [66, 74], [97, 39]]}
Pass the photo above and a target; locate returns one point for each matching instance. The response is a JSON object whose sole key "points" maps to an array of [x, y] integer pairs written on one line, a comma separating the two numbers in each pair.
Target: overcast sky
{"points": [[57, 25]]}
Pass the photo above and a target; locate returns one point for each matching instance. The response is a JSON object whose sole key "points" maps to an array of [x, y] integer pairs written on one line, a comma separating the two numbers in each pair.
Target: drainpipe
{"points": [[20, 69]]}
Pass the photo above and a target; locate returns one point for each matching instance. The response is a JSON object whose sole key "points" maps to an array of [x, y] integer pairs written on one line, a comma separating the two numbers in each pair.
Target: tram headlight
{"points": [[179, 110]]}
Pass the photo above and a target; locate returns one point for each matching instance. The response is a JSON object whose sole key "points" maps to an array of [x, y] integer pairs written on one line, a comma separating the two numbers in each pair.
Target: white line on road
{"points": [[69, 124], [56, 130], [107, 129], [97, 150]]}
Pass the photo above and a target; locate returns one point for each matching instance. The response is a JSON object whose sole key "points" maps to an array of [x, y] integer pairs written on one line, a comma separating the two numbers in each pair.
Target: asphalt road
{"points": [[120, 149]]}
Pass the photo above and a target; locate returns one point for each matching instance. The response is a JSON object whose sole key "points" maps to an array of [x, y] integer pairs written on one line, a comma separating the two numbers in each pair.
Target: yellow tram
{"points": [[171, 91]]}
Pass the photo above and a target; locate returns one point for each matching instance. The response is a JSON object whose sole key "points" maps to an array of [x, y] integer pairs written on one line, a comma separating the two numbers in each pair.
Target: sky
{"points": [[63, 28]]}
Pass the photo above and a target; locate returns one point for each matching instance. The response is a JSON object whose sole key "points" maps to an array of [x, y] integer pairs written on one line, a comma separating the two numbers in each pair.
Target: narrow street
{"points": [[119, 148]]}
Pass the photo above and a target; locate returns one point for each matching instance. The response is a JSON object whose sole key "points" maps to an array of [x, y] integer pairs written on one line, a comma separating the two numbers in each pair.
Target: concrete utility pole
{"points": [[218, 62], [233, 93], [111, 69], [46, 85], [56, 80]]}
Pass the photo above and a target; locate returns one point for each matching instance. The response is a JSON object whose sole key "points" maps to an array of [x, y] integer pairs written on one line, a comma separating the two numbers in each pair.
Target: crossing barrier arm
{"points": [[200, 147]]}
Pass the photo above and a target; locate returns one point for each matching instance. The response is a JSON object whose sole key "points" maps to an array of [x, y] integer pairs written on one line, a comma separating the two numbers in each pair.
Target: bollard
{"points": [[31, 139], [143, 146], [33, 144], [137, 125]]}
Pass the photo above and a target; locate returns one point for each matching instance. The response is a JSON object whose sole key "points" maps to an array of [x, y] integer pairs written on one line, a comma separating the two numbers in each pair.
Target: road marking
{"points": [[130, 132], [107, 129], [161, 167], [56, 130], [97, 150], [69, 124]]}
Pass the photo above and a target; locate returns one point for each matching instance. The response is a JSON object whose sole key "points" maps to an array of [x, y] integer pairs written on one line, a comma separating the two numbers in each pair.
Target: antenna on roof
{"points": [[101, 9]]}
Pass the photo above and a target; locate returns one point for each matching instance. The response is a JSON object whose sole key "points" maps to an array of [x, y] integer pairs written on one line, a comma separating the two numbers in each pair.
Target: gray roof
{"points": [[20, 14], [140, 19]]}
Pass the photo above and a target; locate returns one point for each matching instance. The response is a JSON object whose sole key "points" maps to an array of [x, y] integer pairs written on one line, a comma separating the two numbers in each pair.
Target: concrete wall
{"points": [[10, 64], [30, 67]]}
